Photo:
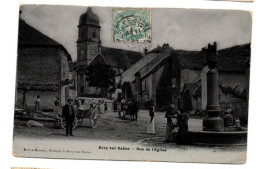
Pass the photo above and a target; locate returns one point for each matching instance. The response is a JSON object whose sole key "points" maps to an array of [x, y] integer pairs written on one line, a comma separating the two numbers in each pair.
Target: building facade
{"points": [[42, 69], [179, 77], [153, 80]]}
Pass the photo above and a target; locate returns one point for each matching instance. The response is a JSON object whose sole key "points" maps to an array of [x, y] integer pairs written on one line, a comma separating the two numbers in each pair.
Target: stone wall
{"points": [[47, 98], [41, 66]]}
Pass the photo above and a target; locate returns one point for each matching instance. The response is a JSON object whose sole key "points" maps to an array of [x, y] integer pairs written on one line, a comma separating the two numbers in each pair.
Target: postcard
{"points": [[143, 84]]}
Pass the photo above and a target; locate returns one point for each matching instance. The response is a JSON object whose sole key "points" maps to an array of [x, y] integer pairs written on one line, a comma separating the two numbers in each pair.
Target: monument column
{"points": [[213, 122]]}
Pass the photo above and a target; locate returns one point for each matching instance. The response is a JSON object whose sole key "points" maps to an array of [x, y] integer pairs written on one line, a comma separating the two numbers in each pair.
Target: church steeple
{"points": [[88, 43]]}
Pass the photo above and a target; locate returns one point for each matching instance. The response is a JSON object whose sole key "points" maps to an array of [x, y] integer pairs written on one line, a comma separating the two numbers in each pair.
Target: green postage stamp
{"points": [[132, 25]]}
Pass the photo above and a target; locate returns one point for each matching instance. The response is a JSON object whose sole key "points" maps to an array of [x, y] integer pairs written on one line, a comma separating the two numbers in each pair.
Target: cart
{"points": [[59, 121], [93, 115]]}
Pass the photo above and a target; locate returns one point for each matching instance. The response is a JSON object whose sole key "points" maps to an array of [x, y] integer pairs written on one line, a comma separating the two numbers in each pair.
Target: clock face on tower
{"points": [[92, 51], [82, 52]]}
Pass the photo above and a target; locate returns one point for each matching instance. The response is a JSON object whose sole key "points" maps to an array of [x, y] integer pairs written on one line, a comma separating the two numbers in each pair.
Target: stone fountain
{"points": [[214, 132]]}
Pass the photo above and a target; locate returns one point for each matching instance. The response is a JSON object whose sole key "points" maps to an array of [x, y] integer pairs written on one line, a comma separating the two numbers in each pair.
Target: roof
{"points": [[153, 64], [158, 49], [30, 36], [129, 74], [89, 18], [229, 59], [190, 59], [120, 58], [234, 58], [152, 59]]}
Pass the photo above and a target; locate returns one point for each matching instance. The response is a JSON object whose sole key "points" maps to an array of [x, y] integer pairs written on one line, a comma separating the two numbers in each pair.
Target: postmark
{"points": [[132, 25]]}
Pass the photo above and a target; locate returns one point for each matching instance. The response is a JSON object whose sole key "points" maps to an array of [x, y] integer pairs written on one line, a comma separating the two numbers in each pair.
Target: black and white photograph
{"points": [[138, 84]]}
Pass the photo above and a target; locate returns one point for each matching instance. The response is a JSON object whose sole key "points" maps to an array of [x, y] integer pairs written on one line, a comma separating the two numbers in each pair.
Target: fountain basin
{"points": [[231, 136]]}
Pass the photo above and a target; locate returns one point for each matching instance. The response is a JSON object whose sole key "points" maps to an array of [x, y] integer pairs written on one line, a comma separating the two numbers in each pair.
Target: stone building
{"points": [[42, 68], [90, 52], [189, 73], [179, 76], [150, 77]]}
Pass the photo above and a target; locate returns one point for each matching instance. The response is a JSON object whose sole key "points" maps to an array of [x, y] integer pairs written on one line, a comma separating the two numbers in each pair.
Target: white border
{"points": [[8, 40]]}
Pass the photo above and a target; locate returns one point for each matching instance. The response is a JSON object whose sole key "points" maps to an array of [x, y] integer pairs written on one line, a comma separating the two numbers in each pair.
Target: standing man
{"points": [[135, 109], [68, 113]]}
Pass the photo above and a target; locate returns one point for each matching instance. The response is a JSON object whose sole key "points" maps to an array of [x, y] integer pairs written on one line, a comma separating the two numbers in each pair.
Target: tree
{"points": [[234, 91], [101, 76]]}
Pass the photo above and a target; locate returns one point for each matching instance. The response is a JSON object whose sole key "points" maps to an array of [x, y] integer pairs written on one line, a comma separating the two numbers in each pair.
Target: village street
{"points": [[113, 131], [111, 127]]}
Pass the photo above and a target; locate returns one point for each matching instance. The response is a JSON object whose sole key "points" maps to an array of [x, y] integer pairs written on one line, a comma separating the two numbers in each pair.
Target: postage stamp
{"points": [[132, 25]]}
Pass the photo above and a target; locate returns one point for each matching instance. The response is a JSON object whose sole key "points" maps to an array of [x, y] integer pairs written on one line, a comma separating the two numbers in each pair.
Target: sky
{"points": [[187, 29]]}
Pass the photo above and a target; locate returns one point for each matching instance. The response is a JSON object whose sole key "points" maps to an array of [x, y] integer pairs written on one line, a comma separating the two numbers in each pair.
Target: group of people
{"points": [[124, 107], [68, 112], [130, 107], [101, 105], [174, 119]]}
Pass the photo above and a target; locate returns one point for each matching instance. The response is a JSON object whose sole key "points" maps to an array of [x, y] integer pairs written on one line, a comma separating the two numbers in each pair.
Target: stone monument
{"points": [[213, 122]]}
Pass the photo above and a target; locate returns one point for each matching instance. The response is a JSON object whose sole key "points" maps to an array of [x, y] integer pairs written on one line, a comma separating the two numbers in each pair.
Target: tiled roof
{"points": [[234, 58], [120, 58], [229, 59], [159, 49], [147, 63], [29, 36], [190, 59], [153, 64], [129, 74]]}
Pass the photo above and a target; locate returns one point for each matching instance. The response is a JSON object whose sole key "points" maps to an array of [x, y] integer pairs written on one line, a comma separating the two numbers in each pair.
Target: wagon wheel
{"points": [[94, 119], [63, 123]]}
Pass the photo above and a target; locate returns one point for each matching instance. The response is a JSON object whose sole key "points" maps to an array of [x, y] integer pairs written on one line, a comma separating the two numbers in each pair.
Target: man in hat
{"points": [[68, 113]]}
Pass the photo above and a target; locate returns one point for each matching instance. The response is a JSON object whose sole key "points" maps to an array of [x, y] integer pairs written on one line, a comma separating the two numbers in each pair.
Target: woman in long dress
{"points": [[151, 124]]}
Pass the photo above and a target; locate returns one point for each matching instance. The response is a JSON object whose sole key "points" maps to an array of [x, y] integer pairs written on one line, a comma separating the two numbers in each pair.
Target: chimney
{"points": [[165, 48], [145, 51]]}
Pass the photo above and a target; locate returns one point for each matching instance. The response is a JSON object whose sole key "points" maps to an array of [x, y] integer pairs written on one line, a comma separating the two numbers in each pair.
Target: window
{"points": [[82, 34], [93, 33]]}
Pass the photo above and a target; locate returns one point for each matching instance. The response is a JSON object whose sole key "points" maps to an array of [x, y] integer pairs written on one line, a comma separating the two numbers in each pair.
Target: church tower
{"points": [[88, 43], [88, 46]]}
